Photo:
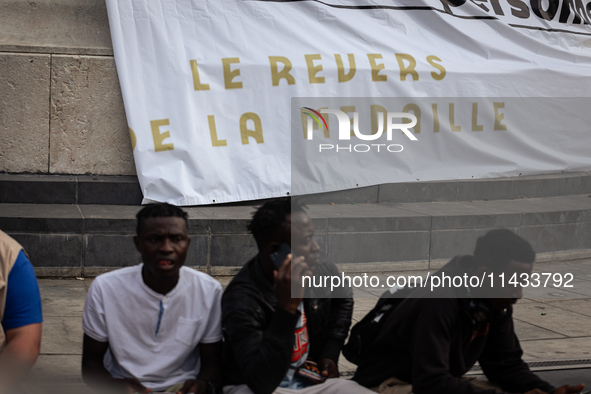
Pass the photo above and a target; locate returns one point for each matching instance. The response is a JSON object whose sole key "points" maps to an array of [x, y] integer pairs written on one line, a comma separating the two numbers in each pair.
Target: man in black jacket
{"points": [[433, 338], [270, 336]]}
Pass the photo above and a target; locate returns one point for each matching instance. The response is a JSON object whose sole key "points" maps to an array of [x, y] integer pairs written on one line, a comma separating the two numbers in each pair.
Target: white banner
{"points": [[208, 86]]}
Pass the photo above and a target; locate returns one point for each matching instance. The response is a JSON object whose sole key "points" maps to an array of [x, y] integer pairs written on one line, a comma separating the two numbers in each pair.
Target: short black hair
{"points": [[497, 247], [271, 216], [158, 210]]}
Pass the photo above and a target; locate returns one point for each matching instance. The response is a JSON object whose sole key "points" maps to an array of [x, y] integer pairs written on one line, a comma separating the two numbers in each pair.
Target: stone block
{"points": [[109, 190], [110, 251], [586, 184], [560, 216], [361, 195], [548, 186], [88, 132], [558, 237], [37, 189], [229, 226], [404, 223], [52, 250], [320, 225], [418, 192], [231, 250], [476, 221], [446, 244], [55, 24], [24, 110], [198, 251], [119, 219], [40, 218], [486, 189], [378, 247]]}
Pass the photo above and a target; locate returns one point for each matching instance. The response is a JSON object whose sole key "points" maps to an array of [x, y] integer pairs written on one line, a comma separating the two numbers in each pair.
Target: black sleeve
{"points": [[263, 355], [430, 349], [341, 312], [339, 321], [502, 363]]}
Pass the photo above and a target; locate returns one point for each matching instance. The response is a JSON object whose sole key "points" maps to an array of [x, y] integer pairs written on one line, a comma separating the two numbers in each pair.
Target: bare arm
{"points": [[19, 355]]}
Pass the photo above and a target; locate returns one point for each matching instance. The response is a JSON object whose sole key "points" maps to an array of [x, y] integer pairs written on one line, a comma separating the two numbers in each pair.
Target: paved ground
{"points": [[552, 324]]}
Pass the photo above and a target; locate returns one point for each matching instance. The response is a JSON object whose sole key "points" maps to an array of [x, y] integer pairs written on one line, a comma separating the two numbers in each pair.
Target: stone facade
{"points": [[61, 110]]}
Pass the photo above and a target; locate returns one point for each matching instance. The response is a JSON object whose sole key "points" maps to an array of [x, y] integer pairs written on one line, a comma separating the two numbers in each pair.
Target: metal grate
{"points": [[546, 365], [534, 366]]}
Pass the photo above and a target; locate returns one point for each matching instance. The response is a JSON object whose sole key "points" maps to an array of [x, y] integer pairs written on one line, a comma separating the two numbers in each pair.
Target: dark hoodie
{"points": [[431, 342]]}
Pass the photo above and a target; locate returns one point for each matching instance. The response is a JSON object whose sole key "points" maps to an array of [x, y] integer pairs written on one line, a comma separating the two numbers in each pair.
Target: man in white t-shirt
{"points": [[154, 326]]}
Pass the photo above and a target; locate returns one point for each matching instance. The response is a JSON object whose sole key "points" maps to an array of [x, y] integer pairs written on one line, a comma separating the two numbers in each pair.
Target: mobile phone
{"points": [[278, 256]]}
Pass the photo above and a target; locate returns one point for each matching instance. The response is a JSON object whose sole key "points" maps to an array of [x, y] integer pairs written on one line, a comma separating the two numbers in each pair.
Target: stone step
{"points": [[83, 240], [125, 190], [70, 189]]}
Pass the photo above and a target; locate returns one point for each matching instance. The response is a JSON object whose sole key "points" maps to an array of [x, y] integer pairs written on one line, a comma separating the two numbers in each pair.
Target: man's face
{"points": [[163, 243], [302, 238], [509, 294]]}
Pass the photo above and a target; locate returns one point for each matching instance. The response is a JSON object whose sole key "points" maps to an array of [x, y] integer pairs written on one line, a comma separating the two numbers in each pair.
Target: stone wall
{"points": [[61, 110]]}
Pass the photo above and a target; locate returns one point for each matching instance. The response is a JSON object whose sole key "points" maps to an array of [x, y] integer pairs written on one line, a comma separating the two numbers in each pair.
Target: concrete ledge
{"points": [[377, 236], [378, 267], [70, 189], [56, 23], [125, 190], [56, 50]]}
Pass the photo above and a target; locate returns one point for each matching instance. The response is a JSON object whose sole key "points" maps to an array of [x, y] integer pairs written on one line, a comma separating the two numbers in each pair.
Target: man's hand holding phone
{"points": [[289, 273]]}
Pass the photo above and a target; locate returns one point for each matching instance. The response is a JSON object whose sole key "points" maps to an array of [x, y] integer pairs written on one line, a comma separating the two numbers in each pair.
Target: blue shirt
{"points": [[23, 300]]}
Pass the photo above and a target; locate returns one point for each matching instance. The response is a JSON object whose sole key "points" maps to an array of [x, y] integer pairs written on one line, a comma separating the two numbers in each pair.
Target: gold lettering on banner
{"points": [[277, 75], [230, 74], [452, 118], [213, 132], [197, 85], [417, 111], [475, 125], [410, 69], [376, 68], [435, 118], [133, 138], [442, 71], [312, 69], [374, 118], [160, 137], [347, 109], [341, 67], [499, 117], [245, 132]]}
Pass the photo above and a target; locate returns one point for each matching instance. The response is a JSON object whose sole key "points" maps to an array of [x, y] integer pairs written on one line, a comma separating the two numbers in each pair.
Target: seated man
{"points": [[269, 336], [154, 326], [432, 339], [20, 314]]}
